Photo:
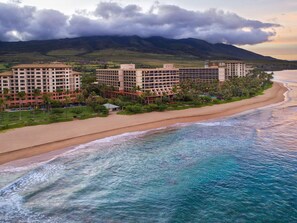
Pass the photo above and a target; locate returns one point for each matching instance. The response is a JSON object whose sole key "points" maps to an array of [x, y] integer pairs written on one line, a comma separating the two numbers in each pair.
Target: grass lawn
{"points": [[69, 52], [150, 59], [112, 57], [9, 120]]}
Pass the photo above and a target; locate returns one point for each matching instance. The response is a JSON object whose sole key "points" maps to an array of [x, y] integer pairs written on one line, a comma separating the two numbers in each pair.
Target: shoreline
{"points": [[22, 143]]}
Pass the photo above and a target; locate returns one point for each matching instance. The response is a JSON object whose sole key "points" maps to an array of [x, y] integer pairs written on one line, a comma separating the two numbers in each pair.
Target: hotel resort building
{"points": [[57, 80], [128, 80], [202, 74], [232, 68]]}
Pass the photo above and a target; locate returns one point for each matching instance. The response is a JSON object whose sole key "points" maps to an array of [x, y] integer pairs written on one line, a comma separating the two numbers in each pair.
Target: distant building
{"points": [[233, 68], [129, 80], [56, 79]]}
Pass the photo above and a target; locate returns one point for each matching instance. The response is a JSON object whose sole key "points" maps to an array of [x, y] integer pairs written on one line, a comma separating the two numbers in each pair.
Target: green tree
{"points": [[80, 98], [46, 101], [134, 109], [101, 110], [36, 94], [6, 93], [67, 102], [21, 96], [60, 90], [2, 104], [94, 100]]}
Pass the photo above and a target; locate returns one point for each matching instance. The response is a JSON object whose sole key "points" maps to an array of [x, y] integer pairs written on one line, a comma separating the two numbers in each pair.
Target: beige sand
{"points": [[30, 141]]}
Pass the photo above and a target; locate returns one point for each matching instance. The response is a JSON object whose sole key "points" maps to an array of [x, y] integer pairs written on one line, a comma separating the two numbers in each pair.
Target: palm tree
{"points": [[80, 98], [6, 91], [21, 96], [144, 97], [59, 90], [175, 89], [134, 89], [67, 102], [6, 94], [36, 93], [2, 103], [46, 100]]}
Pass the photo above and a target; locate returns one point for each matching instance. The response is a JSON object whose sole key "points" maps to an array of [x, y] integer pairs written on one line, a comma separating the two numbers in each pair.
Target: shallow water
{"points": [[239, 169]]}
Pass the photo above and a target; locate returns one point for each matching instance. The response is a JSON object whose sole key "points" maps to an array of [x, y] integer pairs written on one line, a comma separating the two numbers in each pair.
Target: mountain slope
{"points": [[83, 47]]}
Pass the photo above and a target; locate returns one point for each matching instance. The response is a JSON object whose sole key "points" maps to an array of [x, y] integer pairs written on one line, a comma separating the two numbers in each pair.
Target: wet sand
{"points": [[35, 140]]}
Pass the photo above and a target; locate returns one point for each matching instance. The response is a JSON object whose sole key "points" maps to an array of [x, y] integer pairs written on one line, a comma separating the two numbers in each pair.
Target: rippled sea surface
{"points": [[238, 169]]}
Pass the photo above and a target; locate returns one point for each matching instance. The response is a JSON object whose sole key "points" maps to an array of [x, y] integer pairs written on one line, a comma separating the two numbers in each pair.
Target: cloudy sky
{"points": [[268, 27]]}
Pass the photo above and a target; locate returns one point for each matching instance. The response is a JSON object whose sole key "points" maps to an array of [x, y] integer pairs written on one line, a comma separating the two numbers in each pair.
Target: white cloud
{"points": [[110, 18]]}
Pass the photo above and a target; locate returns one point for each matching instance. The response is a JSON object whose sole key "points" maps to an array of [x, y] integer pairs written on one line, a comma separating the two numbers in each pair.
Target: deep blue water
{"points": [[239, 169]]}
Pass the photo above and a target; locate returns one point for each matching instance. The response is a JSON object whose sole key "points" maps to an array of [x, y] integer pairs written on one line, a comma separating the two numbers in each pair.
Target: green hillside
{"points": [[152, 51]]}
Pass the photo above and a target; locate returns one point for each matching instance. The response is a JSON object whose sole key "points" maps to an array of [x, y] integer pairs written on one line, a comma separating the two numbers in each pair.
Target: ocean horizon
{"points": [[236, 169]]}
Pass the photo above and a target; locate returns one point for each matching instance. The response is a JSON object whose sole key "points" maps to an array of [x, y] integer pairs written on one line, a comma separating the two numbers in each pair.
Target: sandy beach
{"points": [[35, 140]]}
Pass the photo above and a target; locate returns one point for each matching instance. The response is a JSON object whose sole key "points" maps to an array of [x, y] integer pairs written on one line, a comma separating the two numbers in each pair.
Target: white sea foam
{"points": [[37, 176], [111, 140], [7, 168], [179, 125], [12, 208], [216, 123]]}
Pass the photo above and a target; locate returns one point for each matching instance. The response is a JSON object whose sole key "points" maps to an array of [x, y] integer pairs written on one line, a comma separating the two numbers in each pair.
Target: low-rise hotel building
{"points": [[56, 79], [130, 80]]}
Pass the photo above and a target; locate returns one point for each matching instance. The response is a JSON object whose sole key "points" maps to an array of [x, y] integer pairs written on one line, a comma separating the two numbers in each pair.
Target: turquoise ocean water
{"points": [[237, 169]]}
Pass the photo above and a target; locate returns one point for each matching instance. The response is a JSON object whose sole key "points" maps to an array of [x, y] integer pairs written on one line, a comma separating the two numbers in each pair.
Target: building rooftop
{"points": [[50, 65], [110, 106], [142, 69], [132, 67], [75, 73], [7, 73], [204, 68]]}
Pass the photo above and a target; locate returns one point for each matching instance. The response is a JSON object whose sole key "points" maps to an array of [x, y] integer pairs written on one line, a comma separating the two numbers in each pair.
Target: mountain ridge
{"points": [[199, 49]]}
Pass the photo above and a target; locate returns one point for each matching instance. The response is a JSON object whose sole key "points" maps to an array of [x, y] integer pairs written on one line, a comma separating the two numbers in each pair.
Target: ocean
{"points": [[237, 169]]}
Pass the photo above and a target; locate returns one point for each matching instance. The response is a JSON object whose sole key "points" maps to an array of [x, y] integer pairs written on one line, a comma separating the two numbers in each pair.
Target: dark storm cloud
{"points": [[48, 24], [23, 23], [110, 18], [110, 9], [14, 18]]}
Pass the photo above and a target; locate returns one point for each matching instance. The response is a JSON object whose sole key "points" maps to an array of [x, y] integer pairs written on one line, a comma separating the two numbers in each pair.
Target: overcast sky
{"points": [[268, 27]]}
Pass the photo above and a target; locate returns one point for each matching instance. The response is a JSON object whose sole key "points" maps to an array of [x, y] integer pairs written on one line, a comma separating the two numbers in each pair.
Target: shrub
{"points": [[53, 118], [56, 104], [151, 107], [134, 109], [197, 103], [216, 101], [205, 99], [57, 111], [77, 111], [56, 118], [162, 107], [100, 109]]}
